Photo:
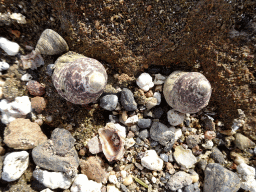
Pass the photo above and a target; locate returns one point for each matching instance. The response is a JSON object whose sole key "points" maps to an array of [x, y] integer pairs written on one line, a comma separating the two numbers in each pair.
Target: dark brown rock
{"points": [[35, 88]]}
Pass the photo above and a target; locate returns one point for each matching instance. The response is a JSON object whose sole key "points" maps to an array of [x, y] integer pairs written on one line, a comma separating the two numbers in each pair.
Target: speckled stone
{"points": [[217, 156], [127, 100], [192, 141], [109, 102], [35, 88], [144, 123], [38, 104], [179, 180]]}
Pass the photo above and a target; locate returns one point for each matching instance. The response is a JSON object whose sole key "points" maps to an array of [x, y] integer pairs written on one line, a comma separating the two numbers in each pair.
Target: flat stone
{"points": [[23, 134], [109, 102], [151, 161], [179, 180], [242, 142], [144, 134], [94, 169], [94, 145], [144, 123], [219, 179], [217, 156], [127, 100], [151, 102], [192, 140], [184, 157], [175, 118]]}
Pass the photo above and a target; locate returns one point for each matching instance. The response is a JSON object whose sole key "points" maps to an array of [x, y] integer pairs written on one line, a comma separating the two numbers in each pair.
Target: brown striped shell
{"points": [[79, 79], [187, 92]]}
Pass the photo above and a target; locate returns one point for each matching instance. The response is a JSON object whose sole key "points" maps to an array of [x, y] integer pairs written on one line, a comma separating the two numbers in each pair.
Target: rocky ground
{"points": [[215, 38]]}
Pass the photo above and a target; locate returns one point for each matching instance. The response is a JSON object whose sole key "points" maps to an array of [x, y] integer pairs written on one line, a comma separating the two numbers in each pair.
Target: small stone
{"points": [[179, 180], [127, 100], [35, 88], [21, 19], [4, 66], [94, 145], [23, 134], [109, 102], [129, 142], [112, 188], [242, 142], [144, 134], [149, 93], [158, 112], [49, 69], [132, 120], [26, 77], [246, 172], [151, 102], [112, 179], [208, 123], [124, 188], [164, 157], [170, 168], [123, 174], [151, 161], [184, 157], [208, 145], [82, 184], [11, 48], [144, 81], [157, 95], [144, 123], [159, 79], [94, 169], [175, 118], [52, 180], [209, 135], [113, 119], [217, 156], [218, 178], [38, 104], [14, 165], [192, 140]]}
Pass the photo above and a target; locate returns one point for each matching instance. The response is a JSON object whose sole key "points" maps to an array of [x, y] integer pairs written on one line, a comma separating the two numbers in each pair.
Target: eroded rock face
{"points": [[23, 134], [57, 153]]}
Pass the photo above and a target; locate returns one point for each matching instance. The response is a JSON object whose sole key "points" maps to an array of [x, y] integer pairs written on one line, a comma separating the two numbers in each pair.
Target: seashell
{"points": [[79, 79], [51, 43], [112, 139], [187, 92]]}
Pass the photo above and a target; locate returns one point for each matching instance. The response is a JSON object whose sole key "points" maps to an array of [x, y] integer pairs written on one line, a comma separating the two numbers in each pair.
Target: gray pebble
{"points": [[134, 128], [242, 142], [202, 164], [217, 156], [179, 180], [138, 140], [192, 188], [158, 112], [109, 102], [127, 100], [124, 188], [144, 134], [218, 178], [170, 157], [153, 143], [164, 157], [49, 69], [192, 141], [144, 123]]}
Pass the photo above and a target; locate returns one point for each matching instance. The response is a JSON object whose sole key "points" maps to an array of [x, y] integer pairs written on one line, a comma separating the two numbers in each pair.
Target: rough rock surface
{"points": [[23, 134]]}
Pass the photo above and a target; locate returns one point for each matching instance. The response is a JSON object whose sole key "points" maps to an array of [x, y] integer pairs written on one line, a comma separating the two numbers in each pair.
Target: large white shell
{"points": [[51, 43], [112, 138]]}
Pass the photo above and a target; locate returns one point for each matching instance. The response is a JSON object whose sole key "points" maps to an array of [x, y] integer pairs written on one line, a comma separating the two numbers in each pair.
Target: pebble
{"points": [[179, 180], [164, 157], [151, 161], [132, 120], [26, 77], [38, 104], [151, 102], [184, 157], [157, 112], [192, 188], [144, 134], [217, 177], [35, 88], [144, 81], [49, 69], [208, 123], [112, 188], [52, 180], [175, 118], [217, 156], [94, 169], [247, 175], [161, 133], [144, 123], [18, 108], [127, 100], [129, 142], [124, 188], [113, 118], [46, 190], [14, 165], [208, 145], [159, 79], [112, 179], [4, 66], [242, 142], [23, 134], [11, 48], [170, 168], [157, 95], [21, 19], [209, 135], [192, 140], [109, 102], [82, 184], [58, 153], [94, 145]]}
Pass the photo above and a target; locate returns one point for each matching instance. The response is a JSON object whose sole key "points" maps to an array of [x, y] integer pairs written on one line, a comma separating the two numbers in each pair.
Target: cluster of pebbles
{"points": [[145, 147]]}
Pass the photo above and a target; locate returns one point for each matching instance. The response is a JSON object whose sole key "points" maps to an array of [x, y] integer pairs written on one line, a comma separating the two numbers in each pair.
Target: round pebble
{"points": [[164, 157], [144, 81], [175, 118], [38, 104], [109, 102], [128, 180], [4, 66], [35, 88], [144, 123]]}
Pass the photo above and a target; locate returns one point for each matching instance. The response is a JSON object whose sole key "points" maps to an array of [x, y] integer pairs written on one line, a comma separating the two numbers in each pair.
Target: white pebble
{"points": [[208, 144], [246, 172], [144, 81], [129, 142], [4, 66], [26, 77], [46, 190], [112, 179], [19, 18], [52, 180], [15, 164], [159, 79], [132, 120], [11, 48], [82, 184], [123, 174], [249, 185], [112, 188], [18, 108], [153, 180], [175, 118], [151, 161], [157, 95]]}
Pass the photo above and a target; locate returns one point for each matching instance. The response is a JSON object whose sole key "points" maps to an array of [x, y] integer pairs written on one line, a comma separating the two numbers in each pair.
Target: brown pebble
{"points": [[209, 135], [149, 8], [35, 88], [82, 152], [38, 103]]}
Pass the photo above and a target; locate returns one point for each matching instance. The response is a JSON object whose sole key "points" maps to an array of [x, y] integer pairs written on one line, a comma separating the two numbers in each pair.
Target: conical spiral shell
{"points": [[79, 79], [51, 43], [187, 92]]}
